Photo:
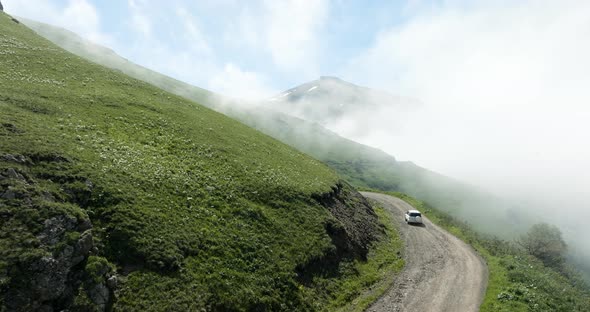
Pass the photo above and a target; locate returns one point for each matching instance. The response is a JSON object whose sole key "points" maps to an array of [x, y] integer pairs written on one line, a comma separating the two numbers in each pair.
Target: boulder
{"points": [[8, 195], [100, 295], [51, 282], [19, 159], [13, 174], [54, 229]]}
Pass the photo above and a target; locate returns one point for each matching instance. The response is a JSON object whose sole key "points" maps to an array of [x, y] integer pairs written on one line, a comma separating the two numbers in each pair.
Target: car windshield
{"points": [[415, 214]]}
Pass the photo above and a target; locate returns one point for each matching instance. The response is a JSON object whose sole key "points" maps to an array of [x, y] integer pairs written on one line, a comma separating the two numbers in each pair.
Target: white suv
{"points": [[413, 216]]}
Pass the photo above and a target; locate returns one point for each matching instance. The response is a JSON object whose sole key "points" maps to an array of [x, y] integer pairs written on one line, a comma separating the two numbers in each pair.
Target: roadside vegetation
{"points": [[115, 193], [521, 279]]}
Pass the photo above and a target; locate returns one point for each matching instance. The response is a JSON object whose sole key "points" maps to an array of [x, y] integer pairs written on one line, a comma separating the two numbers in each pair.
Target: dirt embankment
{"points": [[442, 273], [352, 229]]}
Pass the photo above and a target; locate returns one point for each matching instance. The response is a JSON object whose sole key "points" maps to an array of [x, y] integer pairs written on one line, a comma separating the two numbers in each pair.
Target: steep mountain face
{"points": [[115, 194], [330, 99]]}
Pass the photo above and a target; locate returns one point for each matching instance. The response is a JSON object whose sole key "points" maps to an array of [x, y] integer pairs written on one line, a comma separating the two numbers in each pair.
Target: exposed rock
{"points": [[48, 197], [49, 278], [8, 195], [89, 184], [1, 7], [112, 282], [83, 247], [13, 174], [48, 158], [353, 229], [356, 223], [100, 283], [53, 280], [19, 159], [84, 225], [50, 273], [100, 295], [55, 228]]}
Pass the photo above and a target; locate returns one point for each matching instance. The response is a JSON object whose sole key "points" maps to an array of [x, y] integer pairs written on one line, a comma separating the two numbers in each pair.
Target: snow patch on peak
{"points": [[312, 88]]}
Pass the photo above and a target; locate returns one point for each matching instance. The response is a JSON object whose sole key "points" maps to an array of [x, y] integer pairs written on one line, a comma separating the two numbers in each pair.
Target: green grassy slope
{"points": [[107, 57], [193, 209]]}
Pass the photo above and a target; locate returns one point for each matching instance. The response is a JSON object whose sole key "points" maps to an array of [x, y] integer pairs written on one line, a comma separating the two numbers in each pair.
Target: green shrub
{"points": [[544, 241]]}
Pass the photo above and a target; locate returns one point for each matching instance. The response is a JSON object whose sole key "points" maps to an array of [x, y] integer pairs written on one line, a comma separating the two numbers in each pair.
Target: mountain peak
{"points": [[330, 78], [329, 98]]}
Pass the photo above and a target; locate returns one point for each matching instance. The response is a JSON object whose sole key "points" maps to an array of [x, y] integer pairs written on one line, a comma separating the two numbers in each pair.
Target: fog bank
{"points": [[505, 96]]}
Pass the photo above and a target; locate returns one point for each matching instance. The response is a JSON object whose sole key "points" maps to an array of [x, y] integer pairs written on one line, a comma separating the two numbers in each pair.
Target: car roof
{"points": [[414, 211]]}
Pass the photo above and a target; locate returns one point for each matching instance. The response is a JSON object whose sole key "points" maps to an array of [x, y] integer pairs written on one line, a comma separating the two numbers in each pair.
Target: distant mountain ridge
{"points": [[329, 99]]}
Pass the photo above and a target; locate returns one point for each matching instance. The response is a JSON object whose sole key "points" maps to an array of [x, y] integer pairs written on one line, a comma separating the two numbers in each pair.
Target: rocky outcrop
{"points": [[48, 250], [1, 7], [353, 229], [100, 283], [355, 226]]}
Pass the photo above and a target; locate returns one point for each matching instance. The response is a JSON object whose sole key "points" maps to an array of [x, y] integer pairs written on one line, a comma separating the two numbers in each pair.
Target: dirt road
{"points": [[442, 273]]}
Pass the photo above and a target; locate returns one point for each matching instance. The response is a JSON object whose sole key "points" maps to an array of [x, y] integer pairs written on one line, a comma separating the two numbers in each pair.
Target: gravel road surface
{"points": [[442, 273]]}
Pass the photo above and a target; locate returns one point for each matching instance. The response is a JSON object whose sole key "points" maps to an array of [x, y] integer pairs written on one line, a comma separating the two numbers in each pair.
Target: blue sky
{"points": [[265, 45]]}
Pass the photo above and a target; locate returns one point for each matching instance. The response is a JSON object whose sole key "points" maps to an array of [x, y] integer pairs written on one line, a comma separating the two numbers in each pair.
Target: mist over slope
{"points": [[106, 57], [353, 111], [329, 100], [117, 194]]}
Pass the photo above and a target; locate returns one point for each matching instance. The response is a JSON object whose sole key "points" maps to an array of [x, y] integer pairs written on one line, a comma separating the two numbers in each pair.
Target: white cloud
{"points": [[292, 32], [77, 15], [185, 52], [235, 82], [141, 24], [193, 35], [140, 21], [288, 31], [505, 92], [495, 80], [176, 47]]}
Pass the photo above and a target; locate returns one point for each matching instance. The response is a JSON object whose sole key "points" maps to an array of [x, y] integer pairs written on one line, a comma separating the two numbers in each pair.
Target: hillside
{"points": [[106, 57], [358, 164], [369, 168], [115, 193]]}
